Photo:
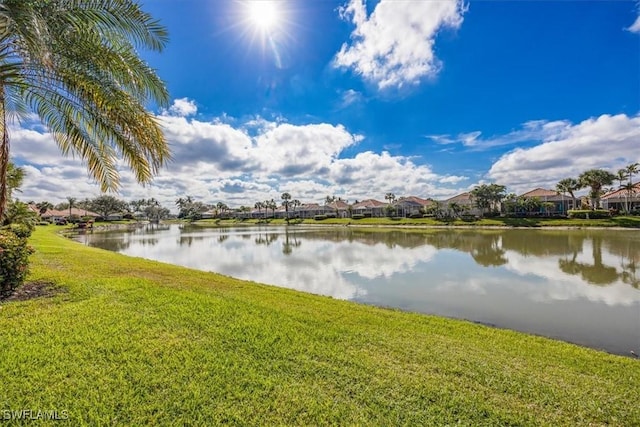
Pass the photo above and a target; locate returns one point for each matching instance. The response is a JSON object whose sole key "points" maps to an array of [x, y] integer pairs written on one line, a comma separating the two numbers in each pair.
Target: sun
{"points": [[264, 14]]}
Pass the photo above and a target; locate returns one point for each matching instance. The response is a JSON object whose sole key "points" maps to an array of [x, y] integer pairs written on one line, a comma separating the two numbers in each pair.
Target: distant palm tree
{"points": [[596, 179], [271, 204], [75, 64], [390, 197], [43, 207], [286, 200], [295, 203], [221, 208], [455, 208], [569, 185], [72, 204], [259, 206], [632, 169]]}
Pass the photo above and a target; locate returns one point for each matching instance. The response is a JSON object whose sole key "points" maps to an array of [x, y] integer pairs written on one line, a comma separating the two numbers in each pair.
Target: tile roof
{"points": [[338, 204], [622, 192], [414, 199], [369, 203], [540, 192], [464, 197]]}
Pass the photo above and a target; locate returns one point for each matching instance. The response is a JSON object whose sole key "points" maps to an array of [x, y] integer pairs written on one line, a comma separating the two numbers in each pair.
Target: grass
{"points": [[137, 342], [619, 221]]}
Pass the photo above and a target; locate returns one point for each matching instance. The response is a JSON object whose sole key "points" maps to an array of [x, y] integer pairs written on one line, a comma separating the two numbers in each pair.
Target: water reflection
{"points": [[581, 286]]}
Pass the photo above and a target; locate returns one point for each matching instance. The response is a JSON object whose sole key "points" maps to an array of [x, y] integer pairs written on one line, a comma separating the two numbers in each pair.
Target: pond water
{"points": [[581, 286]]}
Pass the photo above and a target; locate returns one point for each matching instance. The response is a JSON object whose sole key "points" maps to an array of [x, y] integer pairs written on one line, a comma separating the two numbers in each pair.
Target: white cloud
{"points": [[351, 97], [534, 130], [183, 107], [635, 27], [452, 179], [608, 142], [238, 165], [393, 46]]}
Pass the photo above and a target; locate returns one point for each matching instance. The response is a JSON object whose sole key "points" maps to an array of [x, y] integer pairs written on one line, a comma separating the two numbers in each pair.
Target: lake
{"points": [[581, 286]]}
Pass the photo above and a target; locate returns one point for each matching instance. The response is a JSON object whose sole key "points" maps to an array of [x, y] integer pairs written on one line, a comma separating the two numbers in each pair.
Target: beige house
{"points": [[465, 201], [369, 208], [53, 214], [411, 206], [338, 208], [561, 202], [620, 199]]}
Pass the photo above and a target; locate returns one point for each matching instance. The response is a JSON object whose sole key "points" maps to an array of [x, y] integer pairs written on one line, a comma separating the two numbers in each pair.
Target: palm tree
{"points": [[569, 185], [286, 200], [259, 205], [390, 198], [75, 64], [596, 179], [43, 207], [455, 208], [271, 204], [632, 169], [221, 208], [72, 203], [295, 203]]}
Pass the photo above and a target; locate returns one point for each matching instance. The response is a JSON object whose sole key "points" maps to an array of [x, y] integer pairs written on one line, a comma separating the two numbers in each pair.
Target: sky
{"points": [[357, 99]]}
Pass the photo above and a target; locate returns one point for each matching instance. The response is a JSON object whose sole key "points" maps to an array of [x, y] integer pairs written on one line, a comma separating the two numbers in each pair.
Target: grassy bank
{"points": [[619, 221], [136, 342]]}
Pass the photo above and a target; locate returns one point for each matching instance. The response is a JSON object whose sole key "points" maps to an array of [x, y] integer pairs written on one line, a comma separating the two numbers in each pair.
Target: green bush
{"points": [[320, 217], [23, 231], [357, 216], [14, 261], [586, 213]]}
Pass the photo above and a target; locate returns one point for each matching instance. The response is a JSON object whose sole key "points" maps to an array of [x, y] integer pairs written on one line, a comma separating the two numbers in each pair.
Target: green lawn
{"points": [[134, 342]]}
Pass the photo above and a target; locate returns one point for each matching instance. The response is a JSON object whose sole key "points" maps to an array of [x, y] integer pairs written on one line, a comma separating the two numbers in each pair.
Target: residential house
{"points": [[54, 214], [338, 208], [465, 202], [310, 210], [561, 202], [411, 206], [620, 199], [369, 208]]}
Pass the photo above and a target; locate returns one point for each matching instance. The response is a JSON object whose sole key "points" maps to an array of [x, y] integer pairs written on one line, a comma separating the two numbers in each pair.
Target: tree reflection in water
{"points": [[290, 241], [596, 273]]}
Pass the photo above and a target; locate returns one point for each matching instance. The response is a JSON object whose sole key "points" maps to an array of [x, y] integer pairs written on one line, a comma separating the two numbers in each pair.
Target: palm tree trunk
{"points": [[4, 154]]}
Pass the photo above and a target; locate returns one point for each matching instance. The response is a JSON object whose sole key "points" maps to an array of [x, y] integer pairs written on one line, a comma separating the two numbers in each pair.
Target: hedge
{"points": [[14, 261], [586, 213]]}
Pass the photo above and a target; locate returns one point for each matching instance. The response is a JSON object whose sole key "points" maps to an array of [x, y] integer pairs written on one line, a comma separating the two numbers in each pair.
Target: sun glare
{"points": [[263, 14]]}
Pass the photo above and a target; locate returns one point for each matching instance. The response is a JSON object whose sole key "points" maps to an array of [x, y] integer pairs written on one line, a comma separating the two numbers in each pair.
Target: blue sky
{"points": [[357, 99]]}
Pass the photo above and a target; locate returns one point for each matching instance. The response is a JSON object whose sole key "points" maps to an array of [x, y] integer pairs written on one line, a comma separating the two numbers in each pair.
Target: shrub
{"points": [[14, 261], [357, 216], [21, 230], [586, 213], [320, 217]]}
